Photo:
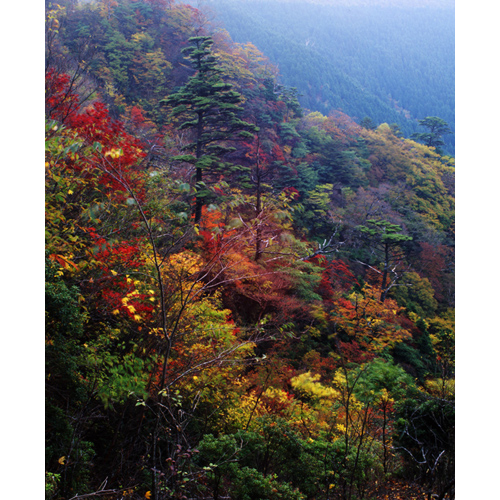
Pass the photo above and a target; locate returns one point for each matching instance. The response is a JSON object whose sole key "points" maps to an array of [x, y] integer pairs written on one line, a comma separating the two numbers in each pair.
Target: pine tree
{"points": [[437, 127], [210, 108], [385, 239]]}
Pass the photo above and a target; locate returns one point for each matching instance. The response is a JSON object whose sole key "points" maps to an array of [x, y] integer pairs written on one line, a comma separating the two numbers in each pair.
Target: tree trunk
{"points": [[386, 271], [258, 207], [199, 172], [258, 210]]}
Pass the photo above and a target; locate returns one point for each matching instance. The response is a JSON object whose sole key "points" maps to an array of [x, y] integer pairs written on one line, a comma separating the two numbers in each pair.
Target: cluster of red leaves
{"points": [[60, 101], [138, 303], [115, 259], [108, 161], [141, 127], [213, 232], [122, 254], [336, 277], [344, 303], [254, 152], [325, 366], [409, 325], [95, 126], [354, 353], [136, 116], [277, 154], [276, 373]]}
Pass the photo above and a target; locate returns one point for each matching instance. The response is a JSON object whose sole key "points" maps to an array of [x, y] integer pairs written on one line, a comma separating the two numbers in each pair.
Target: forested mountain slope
{"points": [[393, 62], [244, 299]]}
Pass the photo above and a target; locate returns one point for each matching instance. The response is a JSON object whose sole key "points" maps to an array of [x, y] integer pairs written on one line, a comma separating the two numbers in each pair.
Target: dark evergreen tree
{"points": [[437, 127], [367, 123], [385, 239], [396, 130], [210, 108]]}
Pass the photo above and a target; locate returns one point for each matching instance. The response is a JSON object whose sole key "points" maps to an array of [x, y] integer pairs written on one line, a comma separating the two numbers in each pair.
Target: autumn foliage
{"points": [[260, 347]]}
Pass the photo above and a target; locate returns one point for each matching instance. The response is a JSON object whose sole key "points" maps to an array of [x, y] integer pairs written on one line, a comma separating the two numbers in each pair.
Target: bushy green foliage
{"points": [[417, 295], [65, 393], [409, 357], [379, 375], [305, 280], [118, 373], [250, 484], [251, 465], [51, 484]]}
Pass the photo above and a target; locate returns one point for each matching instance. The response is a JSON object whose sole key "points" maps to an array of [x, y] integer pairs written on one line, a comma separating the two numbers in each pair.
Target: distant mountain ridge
{"points": [[395, 65]]}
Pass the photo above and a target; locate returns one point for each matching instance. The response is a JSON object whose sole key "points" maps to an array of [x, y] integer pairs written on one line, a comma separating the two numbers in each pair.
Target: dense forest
{"points": [[390, 63], [244, 298]]}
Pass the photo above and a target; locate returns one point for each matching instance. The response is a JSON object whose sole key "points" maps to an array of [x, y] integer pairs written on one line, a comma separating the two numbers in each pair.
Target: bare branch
{"points": [[327, 247], [101, 492]]}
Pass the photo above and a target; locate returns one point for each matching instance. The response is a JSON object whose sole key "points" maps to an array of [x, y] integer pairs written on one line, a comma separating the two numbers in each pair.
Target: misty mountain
{"points": [[392, 60]]}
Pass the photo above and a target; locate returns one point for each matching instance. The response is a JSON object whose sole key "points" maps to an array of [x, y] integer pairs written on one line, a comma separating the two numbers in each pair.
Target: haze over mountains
{"points": [[390, 60]]}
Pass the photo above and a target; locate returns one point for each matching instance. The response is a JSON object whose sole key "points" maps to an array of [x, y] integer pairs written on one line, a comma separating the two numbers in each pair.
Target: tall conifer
{"points": [[210, 108]]}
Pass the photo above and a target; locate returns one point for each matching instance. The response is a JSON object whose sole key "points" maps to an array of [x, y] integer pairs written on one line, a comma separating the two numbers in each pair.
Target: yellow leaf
{"points": [[147, 495], [114, 153], [61, 460]]}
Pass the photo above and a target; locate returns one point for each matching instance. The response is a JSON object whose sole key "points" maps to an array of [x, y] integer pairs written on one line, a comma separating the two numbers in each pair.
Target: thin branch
{"points": [[101, 492]]}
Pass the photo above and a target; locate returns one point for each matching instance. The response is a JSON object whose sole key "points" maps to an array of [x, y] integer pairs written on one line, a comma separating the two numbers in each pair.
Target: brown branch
{"points": [[100, 493]]}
